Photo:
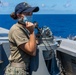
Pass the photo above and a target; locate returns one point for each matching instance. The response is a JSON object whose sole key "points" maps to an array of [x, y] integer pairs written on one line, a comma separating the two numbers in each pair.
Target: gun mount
{"points": [[42, 63]]}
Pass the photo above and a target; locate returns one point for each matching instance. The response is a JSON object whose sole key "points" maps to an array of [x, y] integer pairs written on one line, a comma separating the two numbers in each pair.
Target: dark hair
{"points": [[14, 16]]}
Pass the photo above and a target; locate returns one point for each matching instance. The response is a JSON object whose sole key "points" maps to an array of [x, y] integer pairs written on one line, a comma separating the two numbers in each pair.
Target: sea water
{"points": [[60, 24]]}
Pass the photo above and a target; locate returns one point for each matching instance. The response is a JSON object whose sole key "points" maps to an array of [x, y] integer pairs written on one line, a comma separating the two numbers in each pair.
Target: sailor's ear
{"points": [[20, 15]]}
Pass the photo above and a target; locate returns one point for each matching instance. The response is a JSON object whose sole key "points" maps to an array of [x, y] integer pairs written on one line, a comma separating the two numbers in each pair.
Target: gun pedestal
{"points": [[45, 52]]}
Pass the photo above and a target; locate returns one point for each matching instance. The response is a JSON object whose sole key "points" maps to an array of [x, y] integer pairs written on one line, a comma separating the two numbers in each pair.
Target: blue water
{"points": [[61, 24]]}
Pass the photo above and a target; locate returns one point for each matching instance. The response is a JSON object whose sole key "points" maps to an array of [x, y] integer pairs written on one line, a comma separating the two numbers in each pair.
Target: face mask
{"points": [[27, 18]]}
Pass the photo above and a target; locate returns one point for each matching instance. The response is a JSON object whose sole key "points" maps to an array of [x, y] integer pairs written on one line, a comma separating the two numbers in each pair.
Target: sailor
{"points": [[22, 40]]}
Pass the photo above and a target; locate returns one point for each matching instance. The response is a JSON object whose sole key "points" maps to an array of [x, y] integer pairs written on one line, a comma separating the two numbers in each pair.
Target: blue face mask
{"points": [[27, 18]]}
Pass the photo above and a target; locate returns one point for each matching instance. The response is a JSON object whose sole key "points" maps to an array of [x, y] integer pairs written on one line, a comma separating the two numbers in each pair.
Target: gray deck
{"points": [[68, 46]]}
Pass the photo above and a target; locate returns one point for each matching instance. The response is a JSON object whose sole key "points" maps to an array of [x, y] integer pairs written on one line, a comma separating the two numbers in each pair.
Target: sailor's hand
{"points": [[30, 26]]}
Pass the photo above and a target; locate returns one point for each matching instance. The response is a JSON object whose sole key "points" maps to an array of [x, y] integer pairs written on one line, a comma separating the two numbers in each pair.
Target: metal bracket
{"points": [[1, 61]]}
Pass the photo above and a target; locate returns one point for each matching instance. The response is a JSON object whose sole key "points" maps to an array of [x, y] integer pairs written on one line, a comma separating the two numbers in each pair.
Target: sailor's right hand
{"points": [[30, 26]]}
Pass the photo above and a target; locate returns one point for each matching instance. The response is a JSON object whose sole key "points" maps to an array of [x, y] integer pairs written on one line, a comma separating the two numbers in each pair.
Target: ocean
{"points": [[60, 24]]}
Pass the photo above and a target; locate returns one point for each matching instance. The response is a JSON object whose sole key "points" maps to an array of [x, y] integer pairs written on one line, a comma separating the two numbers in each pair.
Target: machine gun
{"points": [[43, 63], [43, 32]]}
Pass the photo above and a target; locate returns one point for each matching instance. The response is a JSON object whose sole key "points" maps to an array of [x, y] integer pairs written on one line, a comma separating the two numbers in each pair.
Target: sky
{"points": [[46, 6]]}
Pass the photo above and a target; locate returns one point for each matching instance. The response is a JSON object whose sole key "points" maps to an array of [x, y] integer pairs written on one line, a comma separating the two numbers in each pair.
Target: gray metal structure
{"points": [[55, 56], [44, 54], [67, 56], [40, 64]]}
